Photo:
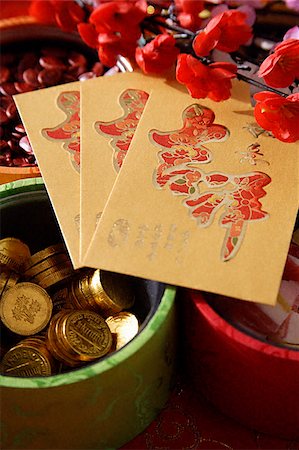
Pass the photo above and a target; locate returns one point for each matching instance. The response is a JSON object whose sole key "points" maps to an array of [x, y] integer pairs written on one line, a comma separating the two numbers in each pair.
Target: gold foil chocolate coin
{"points": [[112, 292], [51, 270], [81, 293], [25, 308], [54, 341], [13, 253], [4, 276], [48, 263], [87, 335], [123, 326], [8, 278], [12, 279], [61, 273], [43, 254], [62, 300], [26, 360]]}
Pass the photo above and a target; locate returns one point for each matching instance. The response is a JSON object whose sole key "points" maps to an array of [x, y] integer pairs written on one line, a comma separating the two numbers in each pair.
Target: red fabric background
{"points": [[190, 422]]}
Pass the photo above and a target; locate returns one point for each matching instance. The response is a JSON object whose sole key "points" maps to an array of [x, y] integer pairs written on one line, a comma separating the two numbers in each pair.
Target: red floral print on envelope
{"points": [[68, 131], [206, 193], [122, 130]]}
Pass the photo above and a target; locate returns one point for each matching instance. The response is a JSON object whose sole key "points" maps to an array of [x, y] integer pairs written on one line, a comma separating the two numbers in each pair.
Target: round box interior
{"points": [[103, 404], [254, 382]]}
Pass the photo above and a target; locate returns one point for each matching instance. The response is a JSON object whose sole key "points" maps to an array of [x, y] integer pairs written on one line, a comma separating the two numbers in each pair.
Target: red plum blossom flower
{"points": [[158, 55], [212, 81], [226, 32], [282, 67], [278, 114]]}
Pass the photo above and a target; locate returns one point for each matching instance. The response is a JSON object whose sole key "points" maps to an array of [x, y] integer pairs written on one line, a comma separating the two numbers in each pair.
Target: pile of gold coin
{"points": [[56, 317], [48, 266], [98, 290], [78, 336], [8, 278], [13, 254], [29, 358]]}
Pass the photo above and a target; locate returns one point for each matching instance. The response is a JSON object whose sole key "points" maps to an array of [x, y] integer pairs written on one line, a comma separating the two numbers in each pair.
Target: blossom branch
{"points": [[259, 84], [172, 27], [159, 34]]}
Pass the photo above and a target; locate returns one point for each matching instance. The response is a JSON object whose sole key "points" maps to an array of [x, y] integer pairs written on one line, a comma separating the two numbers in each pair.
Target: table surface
{"points": [[190, 422]]}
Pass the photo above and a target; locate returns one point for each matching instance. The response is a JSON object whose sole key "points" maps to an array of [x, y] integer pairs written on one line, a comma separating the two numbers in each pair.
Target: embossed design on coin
{"points": [[25, 361], [25, 308], [88, 334]]}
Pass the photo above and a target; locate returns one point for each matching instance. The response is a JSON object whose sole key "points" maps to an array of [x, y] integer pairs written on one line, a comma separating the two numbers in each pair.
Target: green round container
{"points": [[102, 405]]}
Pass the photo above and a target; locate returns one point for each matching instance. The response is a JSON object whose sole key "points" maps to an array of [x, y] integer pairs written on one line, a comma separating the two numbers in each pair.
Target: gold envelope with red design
{"points": [[63, 159], [111, 110], [205, 199], [52, 120]]}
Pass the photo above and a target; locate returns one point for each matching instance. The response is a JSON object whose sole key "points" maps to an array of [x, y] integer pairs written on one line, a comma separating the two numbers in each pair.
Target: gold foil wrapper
{"points": [[81, 336], [13, 254], [69, 318], [112, 292], [8, 279], [29, 358], [38, 257], [124, 327], [50, 262], [26, 308], [60, 273], [62, 300], [102, 292]]}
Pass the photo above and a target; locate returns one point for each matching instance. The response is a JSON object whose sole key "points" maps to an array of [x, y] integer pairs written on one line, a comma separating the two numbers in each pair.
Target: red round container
{"points": [[254, 382]]}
